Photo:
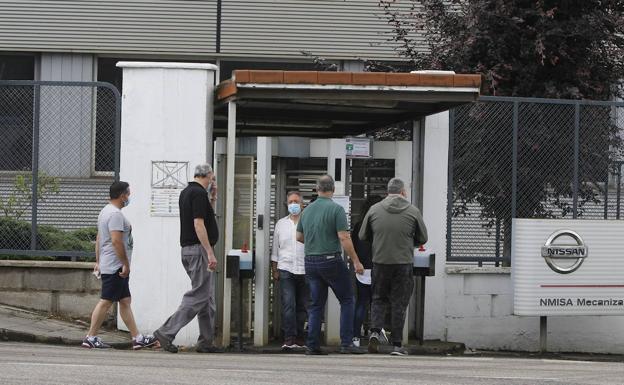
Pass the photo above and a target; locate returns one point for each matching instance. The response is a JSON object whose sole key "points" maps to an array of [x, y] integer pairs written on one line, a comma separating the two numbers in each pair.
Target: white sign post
{"points": [[567, 267]]}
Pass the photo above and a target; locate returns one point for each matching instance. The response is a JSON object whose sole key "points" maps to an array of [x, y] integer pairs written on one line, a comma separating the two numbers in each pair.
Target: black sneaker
{"points": [[300, 342], [289, 343], [209, 349], [148, 341], [351, 350], [94, 343], [373, 343], [165, 344], [315, 352]]}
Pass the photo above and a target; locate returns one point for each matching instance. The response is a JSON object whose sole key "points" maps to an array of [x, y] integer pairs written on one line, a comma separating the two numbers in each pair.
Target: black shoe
{"points": [[289, 343], [315, 352], [373, 343], [165, 344], [209, 349], [351, 350]]}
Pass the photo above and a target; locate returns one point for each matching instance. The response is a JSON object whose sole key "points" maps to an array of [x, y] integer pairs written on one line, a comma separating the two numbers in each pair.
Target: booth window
{"points": [[16, 112], [107, 71]]}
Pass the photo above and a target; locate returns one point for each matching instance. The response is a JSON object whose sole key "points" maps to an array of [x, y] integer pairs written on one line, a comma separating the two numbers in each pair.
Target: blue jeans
{"points": [[364, 295], [294, 296], [323, 271]]}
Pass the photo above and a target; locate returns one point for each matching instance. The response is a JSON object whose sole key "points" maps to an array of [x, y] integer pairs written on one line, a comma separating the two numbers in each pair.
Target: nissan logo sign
{"points": [[556, 254]]}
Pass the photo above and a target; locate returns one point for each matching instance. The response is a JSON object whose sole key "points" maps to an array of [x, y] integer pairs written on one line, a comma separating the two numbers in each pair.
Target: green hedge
{"points": [[15, 234]]}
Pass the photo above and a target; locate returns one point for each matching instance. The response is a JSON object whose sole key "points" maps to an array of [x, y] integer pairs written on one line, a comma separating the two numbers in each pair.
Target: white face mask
{"points": [[294, 208]]}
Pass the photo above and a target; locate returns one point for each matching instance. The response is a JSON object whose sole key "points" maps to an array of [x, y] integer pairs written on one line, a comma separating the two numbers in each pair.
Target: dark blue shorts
{"points": [[114, 287]]}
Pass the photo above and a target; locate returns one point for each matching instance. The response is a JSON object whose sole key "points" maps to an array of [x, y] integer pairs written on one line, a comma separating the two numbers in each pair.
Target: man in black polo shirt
{"points": [[198, 233]]}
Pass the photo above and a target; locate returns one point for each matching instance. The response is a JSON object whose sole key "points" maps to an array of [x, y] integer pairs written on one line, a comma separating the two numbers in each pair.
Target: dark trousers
{"points": [[294, 297], [392, 287], [323, 272], [364, 295]]}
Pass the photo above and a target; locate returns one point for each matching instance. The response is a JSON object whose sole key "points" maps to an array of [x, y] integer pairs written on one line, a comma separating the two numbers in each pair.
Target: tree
{"points": [[571, 49], [20, 198], [553, 49]]}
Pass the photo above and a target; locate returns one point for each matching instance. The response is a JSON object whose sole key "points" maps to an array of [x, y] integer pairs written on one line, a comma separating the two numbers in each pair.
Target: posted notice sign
{"points": [[358, 147], [568, 267]]}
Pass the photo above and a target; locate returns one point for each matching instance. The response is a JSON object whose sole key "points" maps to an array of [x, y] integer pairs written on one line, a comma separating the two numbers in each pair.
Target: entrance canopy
{"points": [[314, 105], [335, 104]]}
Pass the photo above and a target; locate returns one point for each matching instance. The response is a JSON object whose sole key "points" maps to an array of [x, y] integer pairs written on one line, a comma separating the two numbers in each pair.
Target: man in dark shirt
{"points": [[363, 288], [198, 234]]}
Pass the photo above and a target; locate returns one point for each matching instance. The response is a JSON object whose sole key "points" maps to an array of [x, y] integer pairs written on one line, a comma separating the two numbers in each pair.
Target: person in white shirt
{"points": [[288, 267]]}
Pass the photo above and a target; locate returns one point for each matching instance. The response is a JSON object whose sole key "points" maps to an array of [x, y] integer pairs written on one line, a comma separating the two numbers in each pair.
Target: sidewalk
{"points": [[28, 326]]}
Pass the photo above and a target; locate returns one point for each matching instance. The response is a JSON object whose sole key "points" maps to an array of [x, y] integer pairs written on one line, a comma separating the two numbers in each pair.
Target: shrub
{"points": [[16, 235]]}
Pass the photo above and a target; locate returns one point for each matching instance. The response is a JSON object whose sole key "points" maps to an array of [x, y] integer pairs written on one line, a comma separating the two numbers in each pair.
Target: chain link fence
{"points": [[528, 158], [60, 153]]}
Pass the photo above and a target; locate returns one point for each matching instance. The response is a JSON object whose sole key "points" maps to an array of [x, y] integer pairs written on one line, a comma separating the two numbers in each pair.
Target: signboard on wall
{"points": [[358, 148], [568, 267], [168, 181]]}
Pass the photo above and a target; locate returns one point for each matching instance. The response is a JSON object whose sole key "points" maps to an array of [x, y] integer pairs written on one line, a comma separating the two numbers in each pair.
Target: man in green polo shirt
{"points": [[324, 230]]}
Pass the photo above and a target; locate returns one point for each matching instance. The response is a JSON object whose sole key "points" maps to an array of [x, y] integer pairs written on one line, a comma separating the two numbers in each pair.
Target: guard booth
{"points": [[277, 131]]}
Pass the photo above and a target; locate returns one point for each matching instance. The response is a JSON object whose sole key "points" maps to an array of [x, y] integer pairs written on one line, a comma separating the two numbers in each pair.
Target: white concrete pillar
{"points": [[337, 150], [229, 219], [403, 170], [166, 116], [435, 180], [263, 262]]}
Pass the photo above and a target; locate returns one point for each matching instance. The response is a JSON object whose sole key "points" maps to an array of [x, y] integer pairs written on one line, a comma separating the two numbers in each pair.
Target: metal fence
{"points": [[528, 158], [59, 153]]}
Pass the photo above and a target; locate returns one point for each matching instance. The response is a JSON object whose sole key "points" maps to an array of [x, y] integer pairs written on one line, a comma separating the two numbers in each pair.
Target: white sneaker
{"points": [[356, 342], [383, 337], [399, 351]]}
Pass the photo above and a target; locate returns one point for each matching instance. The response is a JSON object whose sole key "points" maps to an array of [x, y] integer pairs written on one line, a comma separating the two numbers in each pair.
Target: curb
{"points": [[416, 350], [17, 336]]}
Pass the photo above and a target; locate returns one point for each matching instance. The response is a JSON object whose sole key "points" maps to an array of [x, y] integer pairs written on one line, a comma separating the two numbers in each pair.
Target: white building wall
{"points": [[475, 305]]}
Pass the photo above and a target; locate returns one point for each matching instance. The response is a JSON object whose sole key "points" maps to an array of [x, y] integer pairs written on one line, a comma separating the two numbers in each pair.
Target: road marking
{"points": [[513, 378], [47, 364]]}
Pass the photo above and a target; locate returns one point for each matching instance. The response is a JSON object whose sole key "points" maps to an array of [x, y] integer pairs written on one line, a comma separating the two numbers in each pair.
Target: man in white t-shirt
{"points": [[113, 250], [288, 266]]}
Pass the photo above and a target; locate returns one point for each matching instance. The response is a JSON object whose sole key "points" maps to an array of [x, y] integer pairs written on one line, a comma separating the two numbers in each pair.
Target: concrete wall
{"points": [[63, 288], [475, 305]]}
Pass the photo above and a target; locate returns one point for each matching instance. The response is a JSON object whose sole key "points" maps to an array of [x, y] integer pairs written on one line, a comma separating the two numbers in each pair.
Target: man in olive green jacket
{"points": [[395, 227]]}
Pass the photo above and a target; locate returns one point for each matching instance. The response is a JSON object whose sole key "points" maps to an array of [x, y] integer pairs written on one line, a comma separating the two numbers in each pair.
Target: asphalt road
{"points": [[22, 363]]}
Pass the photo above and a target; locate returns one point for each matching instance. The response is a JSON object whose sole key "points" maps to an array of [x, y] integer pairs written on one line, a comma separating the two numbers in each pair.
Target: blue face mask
{"points": [[126, 202], [294, 208]]}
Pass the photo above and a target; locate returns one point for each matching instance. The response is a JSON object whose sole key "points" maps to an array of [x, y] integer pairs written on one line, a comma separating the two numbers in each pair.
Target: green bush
{"points": [[16, 234]]}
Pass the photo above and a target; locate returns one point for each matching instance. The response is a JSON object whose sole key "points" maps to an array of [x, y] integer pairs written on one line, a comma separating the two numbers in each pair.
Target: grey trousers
{"points": [[199, 301]]}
